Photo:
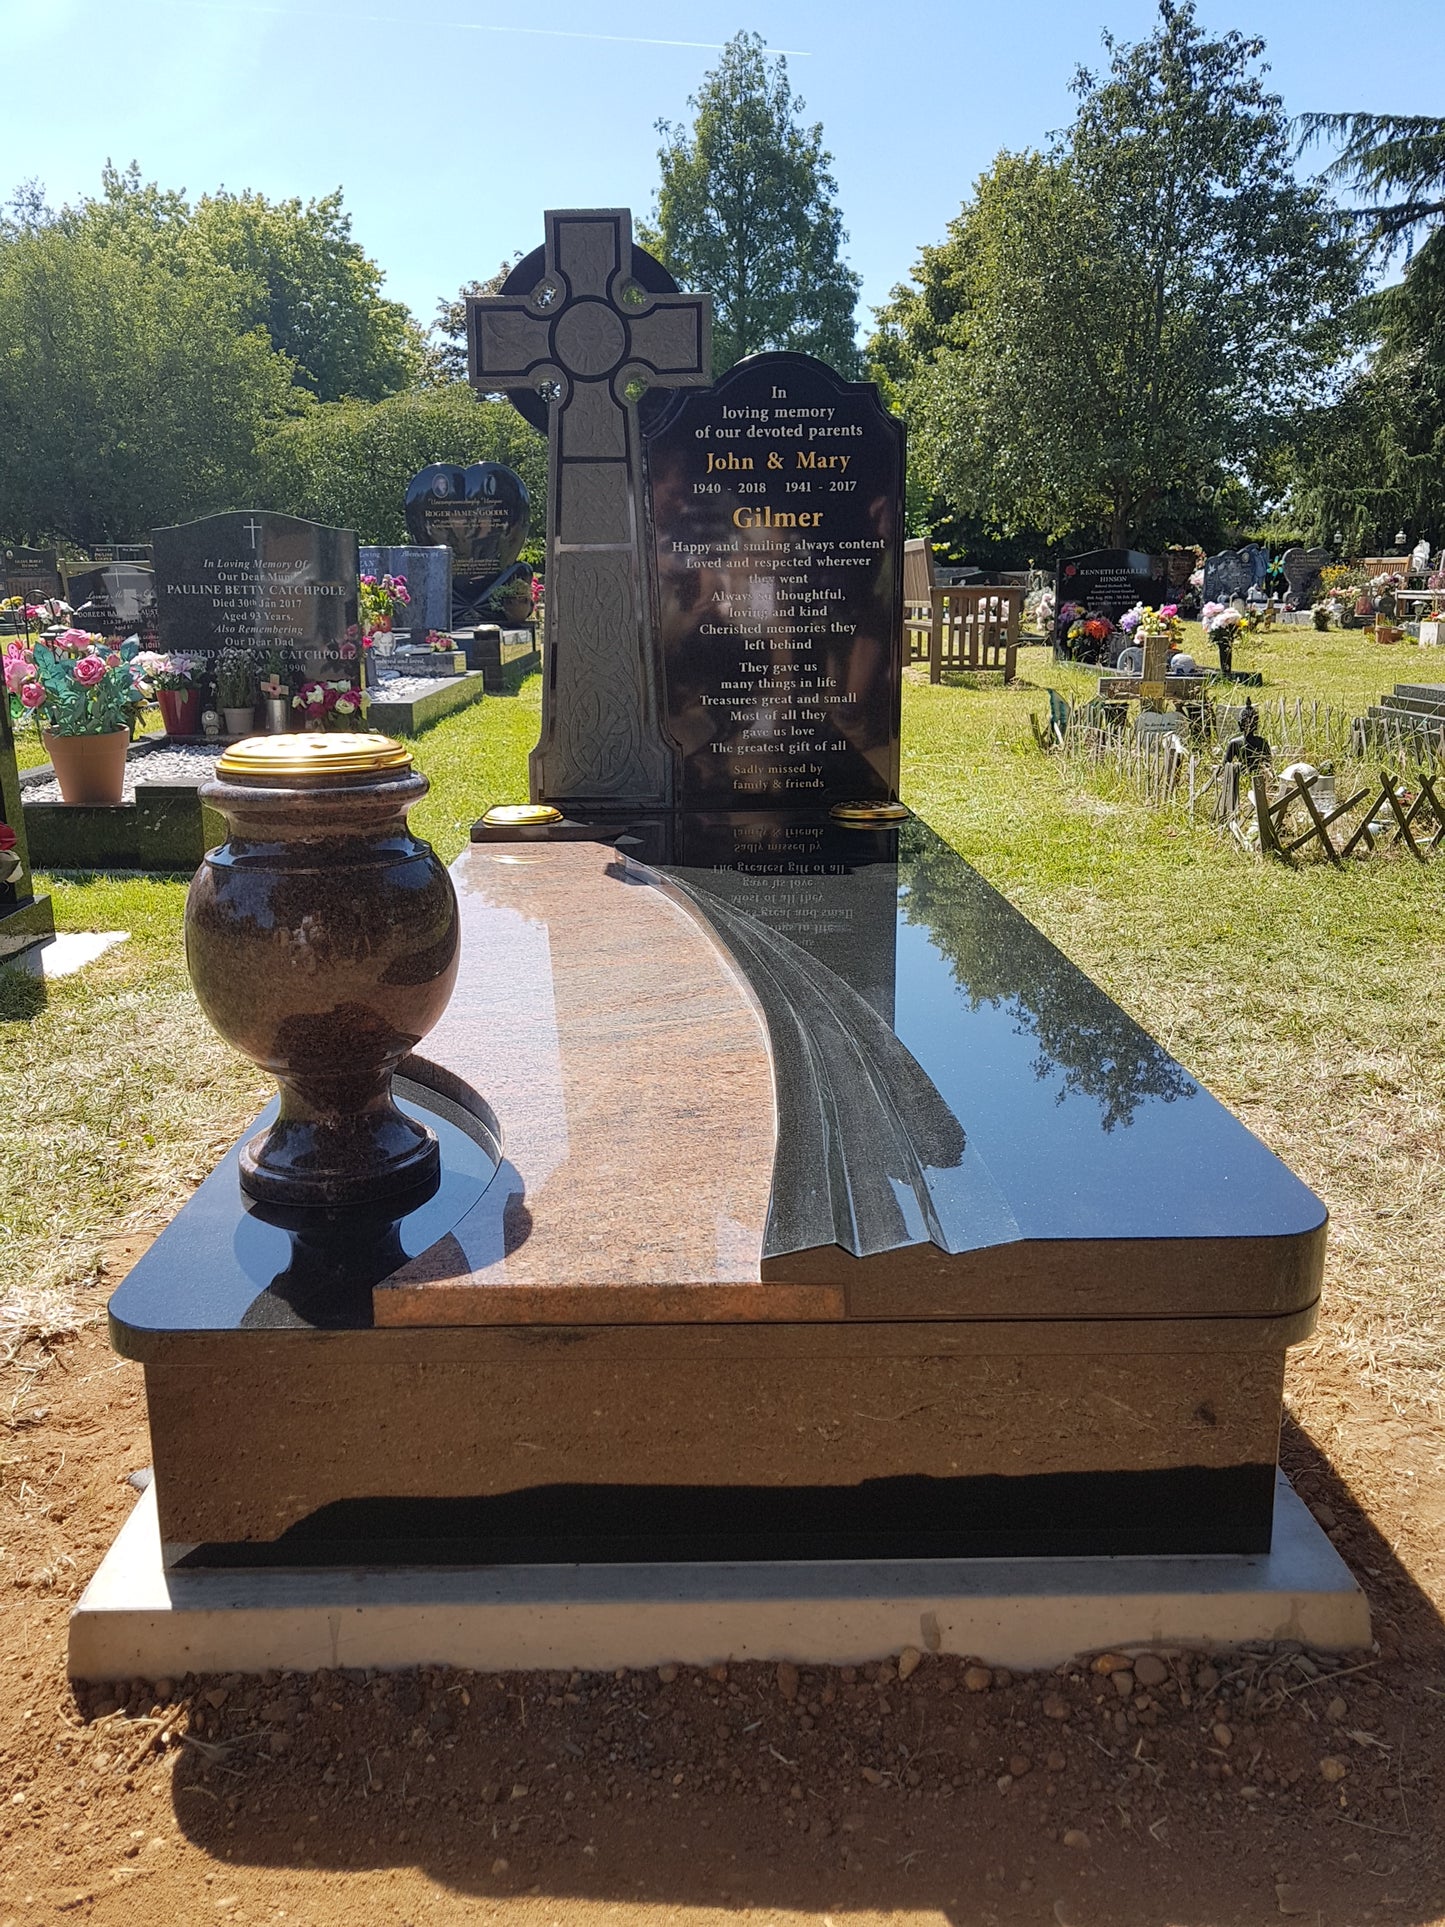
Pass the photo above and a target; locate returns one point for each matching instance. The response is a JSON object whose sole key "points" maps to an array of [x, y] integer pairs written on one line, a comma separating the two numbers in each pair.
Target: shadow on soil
{"points": [[1203, 1801]]}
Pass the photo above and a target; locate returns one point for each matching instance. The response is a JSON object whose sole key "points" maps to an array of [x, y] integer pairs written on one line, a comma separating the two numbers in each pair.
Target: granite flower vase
{"points": [[322, 941], [89, 768]]}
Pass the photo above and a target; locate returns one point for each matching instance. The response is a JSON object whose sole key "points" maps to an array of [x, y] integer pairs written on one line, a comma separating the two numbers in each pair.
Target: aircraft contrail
{"points": [[480, 26]]}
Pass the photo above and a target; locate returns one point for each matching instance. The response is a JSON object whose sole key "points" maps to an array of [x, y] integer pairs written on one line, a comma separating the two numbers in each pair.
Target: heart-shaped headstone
{"points": [[481, 514]]}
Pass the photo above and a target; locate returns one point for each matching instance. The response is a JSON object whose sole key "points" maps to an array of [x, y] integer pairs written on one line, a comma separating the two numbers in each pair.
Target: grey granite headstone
{"points": [[1234, 572], [259, 582], [1301, 569], [585, 326], [428, 573]]}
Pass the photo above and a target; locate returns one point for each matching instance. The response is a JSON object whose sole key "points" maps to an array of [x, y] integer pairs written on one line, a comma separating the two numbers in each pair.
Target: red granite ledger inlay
{"points": [[629, 1068]]}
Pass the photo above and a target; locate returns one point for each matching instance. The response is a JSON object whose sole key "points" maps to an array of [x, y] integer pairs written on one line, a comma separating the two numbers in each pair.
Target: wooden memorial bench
{"points": [[958, 628]]}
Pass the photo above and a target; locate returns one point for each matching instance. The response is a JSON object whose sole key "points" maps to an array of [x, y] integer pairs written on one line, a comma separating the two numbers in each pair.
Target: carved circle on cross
{"points": [[589, 339]]}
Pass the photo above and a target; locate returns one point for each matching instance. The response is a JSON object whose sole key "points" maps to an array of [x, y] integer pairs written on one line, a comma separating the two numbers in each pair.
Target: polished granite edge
{"points": [[922, 1019], [226, 1264]]}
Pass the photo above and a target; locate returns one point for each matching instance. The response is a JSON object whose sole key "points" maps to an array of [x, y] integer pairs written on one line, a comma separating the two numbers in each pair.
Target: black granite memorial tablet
{"points": [[776, 507], [1108, 582], [481, 514], [31, 573]]}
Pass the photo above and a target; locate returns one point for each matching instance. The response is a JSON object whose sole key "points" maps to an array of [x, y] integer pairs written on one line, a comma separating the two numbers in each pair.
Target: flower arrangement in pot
{"points": [[1222, 623], [512, 599], [84, 695], [330, 705], [236, 692], [20, 617], [176, 681], [381, 600]]}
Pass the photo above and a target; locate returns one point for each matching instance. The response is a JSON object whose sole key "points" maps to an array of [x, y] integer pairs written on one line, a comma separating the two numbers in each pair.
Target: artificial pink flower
{"points": [[73, 639], [1169, 610], [89, 671], [112, 661], [18, 671], [33, 695]]}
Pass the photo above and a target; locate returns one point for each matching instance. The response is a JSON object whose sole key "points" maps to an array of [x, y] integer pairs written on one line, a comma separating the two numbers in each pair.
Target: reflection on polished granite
{"points": [[966, 1126]]}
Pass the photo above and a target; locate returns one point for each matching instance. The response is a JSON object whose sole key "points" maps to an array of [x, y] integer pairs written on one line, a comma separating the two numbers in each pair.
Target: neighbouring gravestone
{"points": [[481, 515], [428, 572], [112, 598], [584, 327], [258, 583], [776, 501], [1109, 582], [1179, 565], [1234, 572], [33, 574], [26, 921], [1301, 569]]}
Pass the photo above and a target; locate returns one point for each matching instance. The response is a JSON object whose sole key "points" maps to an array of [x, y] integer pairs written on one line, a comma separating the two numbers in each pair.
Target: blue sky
{"points": [[449, 137]]}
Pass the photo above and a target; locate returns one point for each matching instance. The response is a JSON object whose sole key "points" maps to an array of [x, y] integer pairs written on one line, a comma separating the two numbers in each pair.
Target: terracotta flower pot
{"points": [[322, 940], [89, 769], [180, 711]]}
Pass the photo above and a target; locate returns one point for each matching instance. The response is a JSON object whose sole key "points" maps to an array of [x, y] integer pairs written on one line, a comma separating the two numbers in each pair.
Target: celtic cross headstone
{"points": [[585, 326]]}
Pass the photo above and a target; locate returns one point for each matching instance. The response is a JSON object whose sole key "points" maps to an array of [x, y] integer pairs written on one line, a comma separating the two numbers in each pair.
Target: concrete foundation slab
{"points": [[136, 1620], [72, 950]]}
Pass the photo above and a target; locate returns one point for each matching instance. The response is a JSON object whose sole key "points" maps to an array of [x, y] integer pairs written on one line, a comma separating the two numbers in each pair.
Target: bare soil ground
{"points": [[1235, 1789]]}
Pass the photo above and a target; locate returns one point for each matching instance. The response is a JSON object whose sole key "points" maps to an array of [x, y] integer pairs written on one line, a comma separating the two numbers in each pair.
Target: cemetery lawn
{"points": [[1308, 1000]]}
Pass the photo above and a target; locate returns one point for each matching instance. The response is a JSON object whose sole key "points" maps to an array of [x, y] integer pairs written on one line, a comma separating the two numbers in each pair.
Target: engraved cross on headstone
{"points": [[591, 341]]}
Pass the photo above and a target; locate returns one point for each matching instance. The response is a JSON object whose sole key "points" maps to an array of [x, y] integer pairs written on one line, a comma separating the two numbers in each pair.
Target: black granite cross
{"points": [[590, 340]]}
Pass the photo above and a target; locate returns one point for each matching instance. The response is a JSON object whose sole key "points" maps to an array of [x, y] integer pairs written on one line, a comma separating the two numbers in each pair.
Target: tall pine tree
{"points": [[747, 211]]}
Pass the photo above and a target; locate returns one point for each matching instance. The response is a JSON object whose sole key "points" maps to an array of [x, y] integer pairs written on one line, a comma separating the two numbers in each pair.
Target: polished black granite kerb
{"points": [[948, 1082], [1061, 1271]]}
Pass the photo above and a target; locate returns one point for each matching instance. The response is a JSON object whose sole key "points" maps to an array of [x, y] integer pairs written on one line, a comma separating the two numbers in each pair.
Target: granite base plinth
{"points": [[407, 708], [138, 1620], [399, 1447], [25, 929], [502, 655]]}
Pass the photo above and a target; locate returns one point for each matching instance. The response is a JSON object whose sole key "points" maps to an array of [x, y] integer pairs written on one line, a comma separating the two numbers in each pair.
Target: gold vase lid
{"points": [[315, 753], [520, 815], [863, 815]]}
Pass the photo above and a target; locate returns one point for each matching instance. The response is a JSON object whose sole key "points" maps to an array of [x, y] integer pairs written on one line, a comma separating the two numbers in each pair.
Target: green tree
{"points": [[300, 274], [747, 212], [1375, 462], [348, 463], [1115, 326], [315, 291], [449, 330], [127, 399]]}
